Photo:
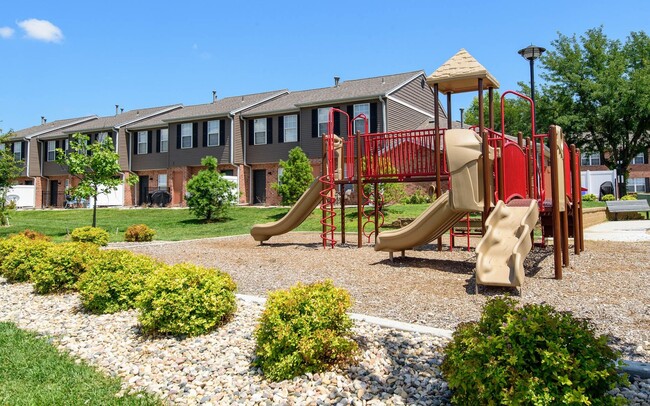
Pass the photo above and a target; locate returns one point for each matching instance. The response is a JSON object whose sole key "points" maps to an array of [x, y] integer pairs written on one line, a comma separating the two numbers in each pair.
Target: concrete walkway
{"points": [[623, 230]]}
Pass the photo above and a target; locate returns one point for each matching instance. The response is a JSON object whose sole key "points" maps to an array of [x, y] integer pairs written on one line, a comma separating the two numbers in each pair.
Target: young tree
{"points": [[296, 177], [10, 170], [209, 194], [600, 94], [96, 166]]}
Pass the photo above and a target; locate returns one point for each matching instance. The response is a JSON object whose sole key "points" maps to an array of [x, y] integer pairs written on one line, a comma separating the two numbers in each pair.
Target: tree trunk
{"points": [[95, 209]]}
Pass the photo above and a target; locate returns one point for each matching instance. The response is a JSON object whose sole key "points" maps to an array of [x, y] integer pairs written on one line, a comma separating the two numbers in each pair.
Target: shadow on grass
{"points": [[195, 221]]}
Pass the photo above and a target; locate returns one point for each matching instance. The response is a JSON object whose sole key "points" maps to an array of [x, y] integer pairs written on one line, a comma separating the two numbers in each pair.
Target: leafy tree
{"points": [[209, 194], [296, 177], [10, 170], [599, 93], [96, 166]]}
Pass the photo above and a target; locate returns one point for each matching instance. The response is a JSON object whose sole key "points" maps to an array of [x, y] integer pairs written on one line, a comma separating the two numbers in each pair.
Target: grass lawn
{"points": [[33, 372], [174, 224]]}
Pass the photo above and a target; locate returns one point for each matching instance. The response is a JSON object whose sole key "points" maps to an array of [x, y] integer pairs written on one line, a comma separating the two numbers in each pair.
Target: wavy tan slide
{"points": [[501, 252], [298, 213], [431, 224]]}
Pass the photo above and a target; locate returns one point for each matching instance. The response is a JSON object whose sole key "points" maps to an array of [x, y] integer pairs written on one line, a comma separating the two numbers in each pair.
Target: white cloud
{"points": [[41, 30], [6, 32]]}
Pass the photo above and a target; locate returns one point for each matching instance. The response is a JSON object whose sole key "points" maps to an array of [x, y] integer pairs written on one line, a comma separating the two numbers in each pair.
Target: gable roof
{"points": [[221, 107], [51, 127], [460, 74], [346, 91], [120, 120]]}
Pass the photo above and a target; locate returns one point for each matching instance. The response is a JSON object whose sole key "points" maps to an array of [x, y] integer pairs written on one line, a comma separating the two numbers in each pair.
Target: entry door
{"points": [[259, 186], [54, 193], [144, 190]]}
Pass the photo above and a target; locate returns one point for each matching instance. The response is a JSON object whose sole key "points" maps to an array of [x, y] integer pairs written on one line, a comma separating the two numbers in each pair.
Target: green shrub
{"points": [[186, 299], [628, 197], [62, 265], [304, 329], [590, 197], [139, 233], [18, 265], [90, 234], [608, 198], [9, 244], [113, 280], [529, 355], [418, 197]]}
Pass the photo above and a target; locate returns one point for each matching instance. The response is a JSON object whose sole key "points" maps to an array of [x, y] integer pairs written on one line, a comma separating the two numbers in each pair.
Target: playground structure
{"points": [[510, 181]]}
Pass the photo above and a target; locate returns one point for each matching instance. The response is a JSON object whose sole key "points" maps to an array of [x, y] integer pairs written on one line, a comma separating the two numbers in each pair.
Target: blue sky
{"points": [[63, 59]]}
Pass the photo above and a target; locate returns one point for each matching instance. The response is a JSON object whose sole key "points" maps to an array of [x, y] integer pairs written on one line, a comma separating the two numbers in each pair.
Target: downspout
{"points": [[45, 189], [250, 169], [383, 114], [27, 169]]}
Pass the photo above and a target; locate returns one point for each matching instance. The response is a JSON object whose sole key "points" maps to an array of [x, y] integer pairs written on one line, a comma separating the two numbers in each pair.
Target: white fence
{"points": [[23, 195], [591, 180], [114, 198]]}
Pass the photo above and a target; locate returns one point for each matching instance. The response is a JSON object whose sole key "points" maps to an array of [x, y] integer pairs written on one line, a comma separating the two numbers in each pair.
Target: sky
{"points": [[65, 59]]}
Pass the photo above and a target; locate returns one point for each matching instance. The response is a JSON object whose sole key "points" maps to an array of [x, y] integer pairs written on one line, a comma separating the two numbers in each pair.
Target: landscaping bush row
{"points": [[513, 355]]}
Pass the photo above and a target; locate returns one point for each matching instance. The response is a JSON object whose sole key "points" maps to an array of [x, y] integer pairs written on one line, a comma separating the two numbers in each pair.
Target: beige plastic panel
{"points": [[464, 158], [560, 170], [505, 245]]}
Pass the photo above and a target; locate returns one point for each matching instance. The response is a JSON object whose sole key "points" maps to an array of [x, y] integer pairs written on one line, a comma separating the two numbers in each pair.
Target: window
{"points": [[164, 140], [213, 133], [280, 172], [66, 145], [51, 151], [186, 135], [162, 181], [359, 123], [639, 159], [2, 146], [635, 185], [17, 149], [101, 137], [143, 142], [590, 159], [260, 131], [291, 128], [227, 172], [323, 119]]}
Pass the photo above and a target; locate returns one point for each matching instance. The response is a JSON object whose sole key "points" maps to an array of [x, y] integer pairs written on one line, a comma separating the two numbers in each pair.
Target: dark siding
{"points": [[417, 93], [402, 117], [271, 153], [34, 158], [193, 156]]}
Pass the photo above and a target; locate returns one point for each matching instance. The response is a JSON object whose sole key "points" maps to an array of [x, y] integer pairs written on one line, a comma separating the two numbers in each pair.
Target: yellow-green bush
{"points": [[628, 197], [139, 233], [9, 244], [113, 280], [304, 329], [589, 197], [608, 198], [62, 265], [186, 299], [93, 235], [530, 355], [18, 264]]}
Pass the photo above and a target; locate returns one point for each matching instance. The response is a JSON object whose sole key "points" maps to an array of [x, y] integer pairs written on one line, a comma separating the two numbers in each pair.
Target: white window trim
{"points": [[295, 135], [51, 151], [638, 157], [164, 184], [190, 135], [360, 120], [261, 122], [636, 184], [101, 137], [215, 131], [320, 121], [164, 131], [590, 157], [142, 143]]}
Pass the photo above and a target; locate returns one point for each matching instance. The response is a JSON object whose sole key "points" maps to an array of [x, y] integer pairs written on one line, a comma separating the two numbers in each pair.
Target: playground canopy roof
{"points": [[460, 74]]}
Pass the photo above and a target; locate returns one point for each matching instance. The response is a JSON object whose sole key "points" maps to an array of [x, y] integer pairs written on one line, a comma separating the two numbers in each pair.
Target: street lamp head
{"points": [[531, 52]]}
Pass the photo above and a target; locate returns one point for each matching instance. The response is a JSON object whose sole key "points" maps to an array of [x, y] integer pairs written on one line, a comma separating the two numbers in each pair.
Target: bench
{"points": [[627, 206]]}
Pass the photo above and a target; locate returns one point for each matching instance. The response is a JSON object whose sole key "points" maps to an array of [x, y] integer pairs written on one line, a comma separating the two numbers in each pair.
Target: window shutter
{"points": [[314, 123], [205, 133], [222, 132], [337, 123], [149, 141], [112, 135], [251, 132], [135, 143], [373, 118], [645, 157], [23, 148], [298, 127], [281, 129], [178, 136], [195, 135], [269, 130], [157, 141]]}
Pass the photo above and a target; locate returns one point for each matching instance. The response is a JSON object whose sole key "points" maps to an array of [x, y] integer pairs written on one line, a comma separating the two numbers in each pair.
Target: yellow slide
{"points": [[434, 222], [501, 252], [298, 213]]}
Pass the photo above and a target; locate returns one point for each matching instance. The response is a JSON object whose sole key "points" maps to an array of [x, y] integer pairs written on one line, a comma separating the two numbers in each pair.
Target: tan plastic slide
{"points": [[298, 213], [431, 224], [503, 248]]}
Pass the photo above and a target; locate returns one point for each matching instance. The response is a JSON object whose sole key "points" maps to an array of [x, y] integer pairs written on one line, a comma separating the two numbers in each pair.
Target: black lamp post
{"points": [[531, 53]]}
